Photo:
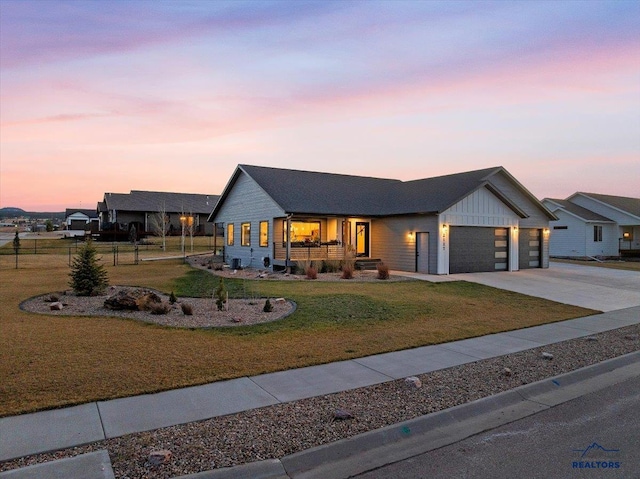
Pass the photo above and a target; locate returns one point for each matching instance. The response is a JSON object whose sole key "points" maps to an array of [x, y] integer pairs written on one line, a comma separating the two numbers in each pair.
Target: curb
{"points": [[397, 442]]}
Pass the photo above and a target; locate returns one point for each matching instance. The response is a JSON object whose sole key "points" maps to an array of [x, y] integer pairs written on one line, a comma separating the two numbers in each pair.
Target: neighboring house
{"points": [[121, 212], [481, 220], [81, 220], [591, 225]]}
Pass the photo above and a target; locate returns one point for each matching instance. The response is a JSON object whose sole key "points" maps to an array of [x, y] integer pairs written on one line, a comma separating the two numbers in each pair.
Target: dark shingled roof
{"points": [[154, 200], [306, 192], [435, 195], [626, 204], [86, 212], [579, 211], [322, 193]]}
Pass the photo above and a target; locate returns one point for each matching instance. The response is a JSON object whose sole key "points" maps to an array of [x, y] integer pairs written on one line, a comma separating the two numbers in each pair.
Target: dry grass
{"points": [[54, 244], [48, 361]]}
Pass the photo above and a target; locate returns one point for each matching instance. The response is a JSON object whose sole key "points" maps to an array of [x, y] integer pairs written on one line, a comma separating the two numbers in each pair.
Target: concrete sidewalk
{"points": [[56, 429]]}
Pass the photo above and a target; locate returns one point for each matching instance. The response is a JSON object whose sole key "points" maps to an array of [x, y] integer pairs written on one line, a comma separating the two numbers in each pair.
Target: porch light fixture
{"points": [[410, 234], [445, 227], [626, 235], [546, 231]]}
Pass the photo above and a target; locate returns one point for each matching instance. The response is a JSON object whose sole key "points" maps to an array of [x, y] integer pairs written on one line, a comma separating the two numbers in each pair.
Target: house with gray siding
{"points": [[594, 225], [482, 220], [120, 213]]}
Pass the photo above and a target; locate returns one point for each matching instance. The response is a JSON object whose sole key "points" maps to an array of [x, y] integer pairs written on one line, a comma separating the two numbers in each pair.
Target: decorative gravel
{"points": [[275, 431], [239, 312]]}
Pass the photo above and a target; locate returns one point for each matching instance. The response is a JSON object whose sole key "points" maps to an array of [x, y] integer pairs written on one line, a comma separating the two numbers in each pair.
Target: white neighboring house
{"points": [[592, 225], [81, 219]]}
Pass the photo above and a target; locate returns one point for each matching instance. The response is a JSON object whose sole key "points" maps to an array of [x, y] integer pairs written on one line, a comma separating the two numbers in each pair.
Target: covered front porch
{"points": [[320, 239]]}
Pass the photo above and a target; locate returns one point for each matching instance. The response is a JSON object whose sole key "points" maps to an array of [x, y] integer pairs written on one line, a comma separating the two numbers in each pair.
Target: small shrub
{"points": [[172, 298], [187, 310], [331, 266], [147, 301], [221, 295], [302, 266], [383, 271], [159, 308], [268, 307], [216, 263], [348, 263], [347, 271], [311, 272]]}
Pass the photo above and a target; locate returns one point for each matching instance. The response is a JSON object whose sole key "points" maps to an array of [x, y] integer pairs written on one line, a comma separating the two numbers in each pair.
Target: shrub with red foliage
{"points": [[383, 271], [347, 271]]}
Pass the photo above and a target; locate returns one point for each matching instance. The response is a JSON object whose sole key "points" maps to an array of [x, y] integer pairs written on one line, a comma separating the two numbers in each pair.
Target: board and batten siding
{"points": [[480, 208], [391, 242], [246, 202]]}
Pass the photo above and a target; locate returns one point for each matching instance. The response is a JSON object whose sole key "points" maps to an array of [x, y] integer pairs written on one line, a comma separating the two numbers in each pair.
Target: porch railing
{"points": [[313, 252]]}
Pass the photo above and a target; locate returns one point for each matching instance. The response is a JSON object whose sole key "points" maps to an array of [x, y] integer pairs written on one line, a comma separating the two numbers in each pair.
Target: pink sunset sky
{"points": [[109, 96]]}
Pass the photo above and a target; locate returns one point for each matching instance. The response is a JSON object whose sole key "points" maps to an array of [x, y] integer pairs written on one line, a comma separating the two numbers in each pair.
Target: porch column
{"points": [[514, 242], [215, 237], [288, 250], [443, 247]]}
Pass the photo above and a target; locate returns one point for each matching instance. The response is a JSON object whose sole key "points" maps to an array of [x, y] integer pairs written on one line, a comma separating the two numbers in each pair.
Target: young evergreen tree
{"points": [[88, 277], [16, 246]]}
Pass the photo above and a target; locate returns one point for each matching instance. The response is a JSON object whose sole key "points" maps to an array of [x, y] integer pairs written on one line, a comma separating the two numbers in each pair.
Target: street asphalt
{"points": [[52, 430], [595, 435]]}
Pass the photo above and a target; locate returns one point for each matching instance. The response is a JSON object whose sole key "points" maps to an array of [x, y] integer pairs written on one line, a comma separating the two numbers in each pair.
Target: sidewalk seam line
{"points": [[391, 378], [250, 378], [104, 433]]}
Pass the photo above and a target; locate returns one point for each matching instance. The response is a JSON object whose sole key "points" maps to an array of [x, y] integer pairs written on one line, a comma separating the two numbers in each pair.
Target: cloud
{"points": [[43, 31]]}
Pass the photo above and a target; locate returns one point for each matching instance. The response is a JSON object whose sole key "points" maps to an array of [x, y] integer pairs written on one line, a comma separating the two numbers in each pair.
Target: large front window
{"points": [[303, 233], [245, 234]]}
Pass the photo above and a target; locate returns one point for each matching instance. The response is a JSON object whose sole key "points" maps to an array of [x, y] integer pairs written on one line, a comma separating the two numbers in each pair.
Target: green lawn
{"points": [[48, 361]]}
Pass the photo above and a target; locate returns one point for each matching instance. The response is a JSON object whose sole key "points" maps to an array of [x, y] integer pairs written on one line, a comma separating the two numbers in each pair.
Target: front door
{"points": [[362, 239], [422, 253]]}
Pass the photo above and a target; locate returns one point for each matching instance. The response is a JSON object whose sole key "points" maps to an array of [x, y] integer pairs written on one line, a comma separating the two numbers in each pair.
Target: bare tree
{"points": [[160, 224]]}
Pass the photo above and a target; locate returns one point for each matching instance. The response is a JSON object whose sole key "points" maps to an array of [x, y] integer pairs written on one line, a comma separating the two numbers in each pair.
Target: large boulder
{"points": [[132, 299]]}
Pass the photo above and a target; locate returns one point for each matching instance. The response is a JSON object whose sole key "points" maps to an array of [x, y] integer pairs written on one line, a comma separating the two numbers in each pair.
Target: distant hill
{"points": [[12, 212]]}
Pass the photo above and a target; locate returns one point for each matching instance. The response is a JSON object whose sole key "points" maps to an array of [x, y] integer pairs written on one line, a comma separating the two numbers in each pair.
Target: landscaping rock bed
{"points": [[202, 262], [240, 312]]}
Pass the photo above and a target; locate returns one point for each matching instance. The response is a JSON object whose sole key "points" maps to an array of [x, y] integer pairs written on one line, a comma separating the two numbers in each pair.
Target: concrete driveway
{"points": [[602, 289]]}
